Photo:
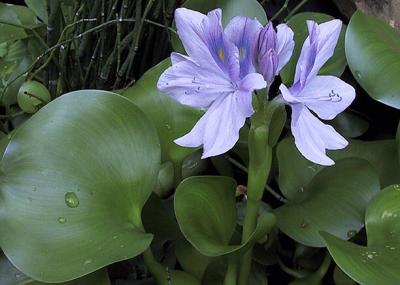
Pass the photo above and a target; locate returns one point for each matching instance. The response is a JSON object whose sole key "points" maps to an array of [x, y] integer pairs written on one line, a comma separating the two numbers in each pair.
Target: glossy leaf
{"points": [[296, 172], [373, 55], [75, 177], [39, 7], [17, 61], [9, 275], [171, 118], [375, 263], [334, 66], [230, 9], [349, 124], [206, 213], [190, 259], [334, 201]]}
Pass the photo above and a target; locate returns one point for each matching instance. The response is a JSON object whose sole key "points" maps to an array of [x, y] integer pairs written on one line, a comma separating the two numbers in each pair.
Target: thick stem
{"points": [[231, 273], [260, 154], [155, 268]]}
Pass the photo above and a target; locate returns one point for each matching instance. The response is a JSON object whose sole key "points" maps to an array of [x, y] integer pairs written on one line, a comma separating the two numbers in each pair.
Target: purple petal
{"points": [[177, 57], [285, 45], [251, 82], [312, 137], [224, 52], [218, 129], [327, 96], [194, 85], [243, 32], [317, 49], [287, 95], [188, 24]]}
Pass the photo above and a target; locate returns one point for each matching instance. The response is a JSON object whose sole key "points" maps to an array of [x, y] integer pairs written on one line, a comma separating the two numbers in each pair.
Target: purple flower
{"points": [[218, 74], [326, 96], [274, 50]]}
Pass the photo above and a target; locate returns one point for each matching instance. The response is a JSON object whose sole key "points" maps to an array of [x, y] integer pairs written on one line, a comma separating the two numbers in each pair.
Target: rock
{"points": [[387, 10]]}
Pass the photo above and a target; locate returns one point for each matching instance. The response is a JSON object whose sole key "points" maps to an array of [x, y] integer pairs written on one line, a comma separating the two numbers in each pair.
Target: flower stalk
{"points": [[260, 159]]}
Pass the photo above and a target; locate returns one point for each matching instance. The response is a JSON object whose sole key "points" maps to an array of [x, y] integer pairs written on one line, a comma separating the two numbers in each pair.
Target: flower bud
{"points": [[267, 55]]}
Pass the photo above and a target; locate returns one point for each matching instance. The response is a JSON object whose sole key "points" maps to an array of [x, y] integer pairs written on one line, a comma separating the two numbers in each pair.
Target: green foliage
{"points": [[90, 159], [206, 213], [171, 119], [373, 55], [374, 263], [336, 194]]}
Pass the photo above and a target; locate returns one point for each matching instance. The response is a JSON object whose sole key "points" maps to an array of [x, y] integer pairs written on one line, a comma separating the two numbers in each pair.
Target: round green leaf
{"points": [[296, 172], [190, 259], [349, 124], [9, 275], [334, 66], [74, 180], [334, 201], [230, 9], [375, 263], [171, 118], [373, 55], [206, 213]]}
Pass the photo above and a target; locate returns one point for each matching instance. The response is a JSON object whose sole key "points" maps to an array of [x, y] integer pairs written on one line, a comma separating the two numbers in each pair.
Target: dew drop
{"points": [[370, 256], [358, 74], [168, 126], [351, 233], [301, 189], [30, 199], [61, 220], [88, 261], [304, 224], [34, 188], [71, 200], [115, 237]]}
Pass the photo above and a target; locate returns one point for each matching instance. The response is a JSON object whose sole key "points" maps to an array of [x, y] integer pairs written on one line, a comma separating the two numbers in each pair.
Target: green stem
{"points": [[155, 268], [281, 10], [231, 273], [260, 160], [295, 9], [260, 154]]}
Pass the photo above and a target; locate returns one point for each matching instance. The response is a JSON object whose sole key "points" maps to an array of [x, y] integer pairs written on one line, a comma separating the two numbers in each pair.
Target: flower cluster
{"points": [[223, 67]]}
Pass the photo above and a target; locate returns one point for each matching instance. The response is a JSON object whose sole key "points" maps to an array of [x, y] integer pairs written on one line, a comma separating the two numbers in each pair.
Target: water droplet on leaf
{"points": [[351, 233], [61, 220], [88, 261], [71, 199], [358, 74]]}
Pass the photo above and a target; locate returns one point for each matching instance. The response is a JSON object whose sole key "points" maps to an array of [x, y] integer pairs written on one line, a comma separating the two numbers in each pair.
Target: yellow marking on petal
{"points": [[242, 53], [221, 55]]}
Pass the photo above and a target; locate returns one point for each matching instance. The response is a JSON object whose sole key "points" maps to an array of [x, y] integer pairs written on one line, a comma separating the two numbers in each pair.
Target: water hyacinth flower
{"points": [[217, 74], [326, 96], [274, 50]]}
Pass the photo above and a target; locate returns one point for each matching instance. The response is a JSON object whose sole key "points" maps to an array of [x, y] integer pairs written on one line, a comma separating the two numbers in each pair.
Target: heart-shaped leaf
{"points": [[334, 201], [373, 55], [171, 118], [349, 124], [9, 275], [206, 213], [73, 183], [375, 263], [190, 259], [296, 172], [334, 66]]}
